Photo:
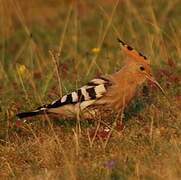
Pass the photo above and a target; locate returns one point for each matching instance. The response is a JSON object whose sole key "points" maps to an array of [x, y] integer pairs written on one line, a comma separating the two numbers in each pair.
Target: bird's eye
{"points": [[142, 68]]}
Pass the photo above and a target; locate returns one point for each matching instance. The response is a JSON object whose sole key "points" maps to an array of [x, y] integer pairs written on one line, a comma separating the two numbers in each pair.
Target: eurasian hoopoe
{"points": [[106, 92]]}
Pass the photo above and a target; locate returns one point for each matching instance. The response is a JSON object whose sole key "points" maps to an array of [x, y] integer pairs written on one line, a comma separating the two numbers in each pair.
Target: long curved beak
{"points": [[149, 77]]}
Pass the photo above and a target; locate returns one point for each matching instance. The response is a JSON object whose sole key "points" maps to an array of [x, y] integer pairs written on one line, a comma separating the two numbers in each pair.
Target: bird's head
{"points": [[139, 66]]}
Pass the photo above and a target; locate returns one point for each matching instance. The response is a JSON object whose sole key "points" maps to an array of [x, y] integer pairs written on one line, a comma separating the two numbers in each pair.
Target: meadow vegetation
{"points": [[48, 48]]}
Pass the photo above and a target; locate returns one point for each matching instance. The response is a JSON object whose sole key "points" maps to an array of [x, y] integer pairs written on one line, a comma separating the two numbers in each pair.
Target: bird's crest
{"points": [[132, 52]]}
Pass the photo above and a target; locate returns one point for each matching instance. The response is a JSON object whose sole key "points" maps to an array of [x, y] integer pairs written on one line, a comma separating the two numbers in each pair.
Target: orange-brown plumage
{"points": [[111, 92]]}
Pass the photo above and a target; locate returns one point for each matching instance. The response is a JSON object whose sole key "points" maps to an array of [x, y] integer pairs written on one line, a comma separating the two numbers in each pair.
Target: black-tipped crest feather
{"points": [[132, 52]]}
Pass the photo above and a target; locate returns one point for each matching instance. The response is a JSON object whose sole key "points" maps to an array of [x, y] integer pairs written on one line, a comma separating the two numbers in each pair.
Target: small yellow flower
{"points": [[96, 50], [21, 69]]}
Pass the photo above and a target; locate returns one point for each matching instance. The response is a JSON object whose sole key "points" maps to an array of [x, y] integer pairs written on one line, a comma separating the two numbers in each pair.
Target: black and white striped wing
{"points": [[86, 95]]}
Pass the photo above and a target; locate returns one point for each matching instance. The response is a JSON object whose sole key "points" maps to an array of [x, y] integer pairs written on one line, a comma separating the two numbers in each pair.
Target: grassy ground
{"points": [[83, 35]]}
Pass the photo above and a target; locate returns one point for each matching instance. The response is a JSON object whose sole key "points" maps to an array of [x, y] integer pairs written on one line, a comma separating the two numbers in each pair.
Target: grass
{"points": [[82, 36]]}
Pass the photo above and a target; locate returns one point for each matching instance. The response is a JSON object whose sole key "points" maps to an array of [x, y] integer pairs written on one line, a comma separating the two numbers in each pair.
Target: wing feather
{"points": [[87, 94]]}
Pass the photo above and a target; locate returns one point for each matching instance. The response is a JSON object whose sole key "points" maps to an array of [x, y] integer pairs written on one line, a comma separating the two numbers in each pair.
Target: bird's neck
{"points": [[127, 78], [127, 84]]}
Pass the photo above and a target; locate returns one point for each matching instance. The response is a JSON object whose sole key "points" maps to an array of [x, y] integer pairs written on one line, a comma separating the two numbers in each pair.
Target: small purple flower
{"points": [[110, 164]]}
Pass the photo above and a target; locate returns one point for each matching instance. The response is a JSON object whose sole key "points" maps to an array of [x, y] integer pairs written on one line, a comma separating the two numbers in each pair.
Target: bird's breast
{"points": [[120, 95]]}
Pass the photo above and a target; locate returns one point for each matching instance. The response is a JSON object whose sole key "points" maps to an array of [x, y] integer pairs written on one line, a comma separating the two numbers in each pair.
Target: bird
{"points": [[104, 94]]}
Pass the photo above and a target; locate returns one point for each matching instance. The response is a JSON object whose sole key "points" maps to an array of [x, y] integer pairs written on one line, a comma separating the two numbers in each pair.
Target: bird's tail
{"points": [[30, 113]]}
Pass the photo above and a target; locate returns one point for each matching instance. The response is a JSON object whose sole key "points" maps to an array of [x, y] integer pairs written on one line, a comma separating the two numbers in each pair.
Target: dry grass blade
{"points": [[58, 74], [102, 40]]}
